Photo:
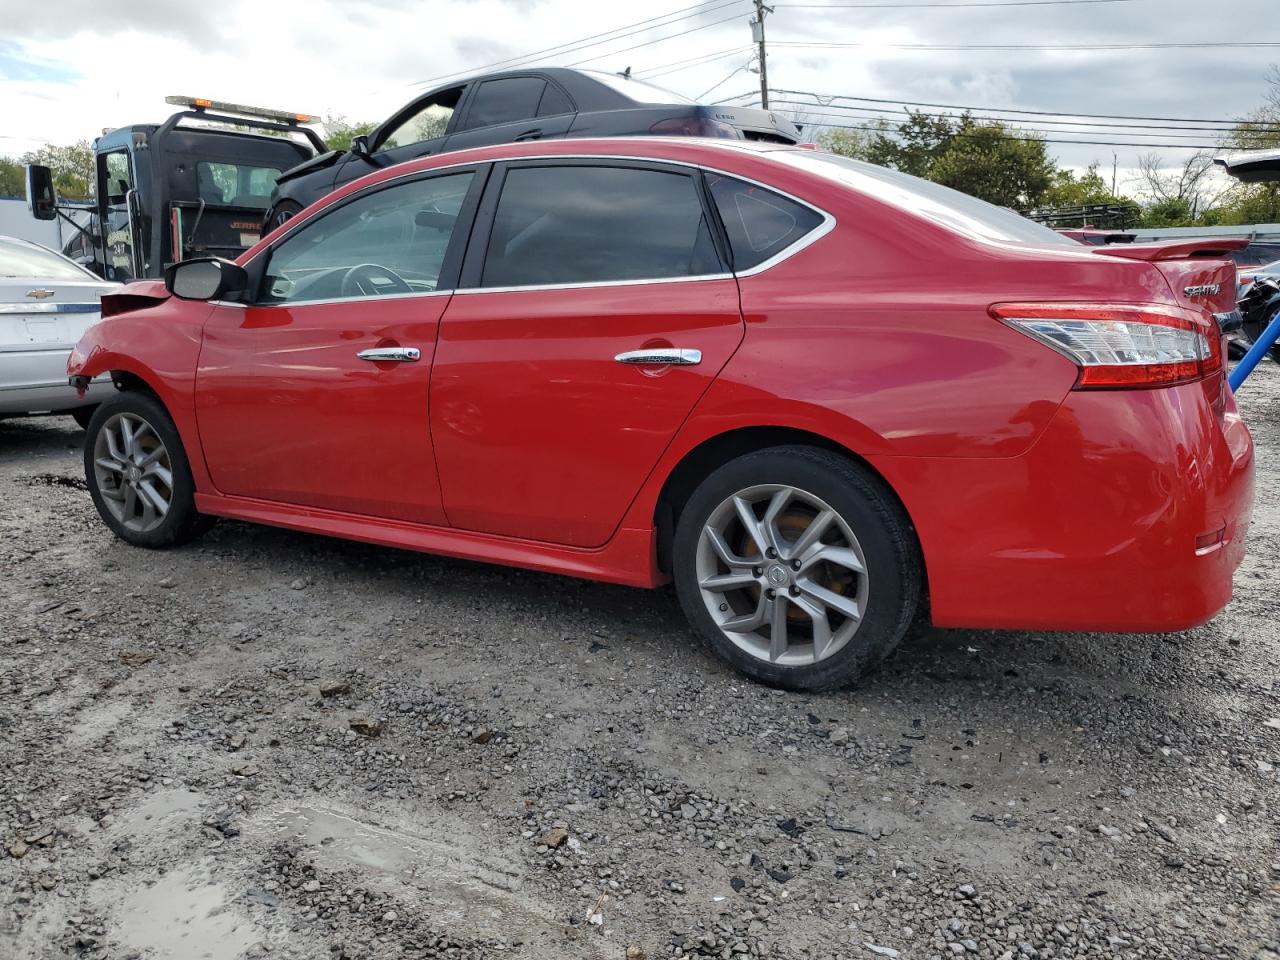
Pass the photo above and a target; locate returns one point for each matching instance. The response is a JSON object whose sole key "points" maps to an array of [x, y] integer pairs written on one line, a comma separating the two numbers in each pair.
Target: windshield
{"points": [[946, 207], [19, 259], [636, 90]]}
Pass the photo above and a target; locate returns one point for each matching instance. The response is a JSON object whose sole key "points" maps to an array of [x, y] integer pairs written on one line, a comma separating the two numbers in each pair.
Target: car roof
{"points": [[586, 87]]}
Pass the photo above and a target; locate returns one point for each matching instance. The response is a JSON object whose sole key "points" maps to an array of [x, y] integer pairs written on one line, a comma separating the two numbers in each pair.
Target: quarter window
{"points": [[389, 242], [759, 222], [504, 101], [583, 224]]}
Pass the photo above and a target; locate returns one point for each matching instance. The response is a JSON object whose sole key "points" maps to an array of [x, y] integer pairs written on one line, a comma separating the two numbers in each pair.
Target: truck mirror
{"points": [[42, 198], [208, 278]]}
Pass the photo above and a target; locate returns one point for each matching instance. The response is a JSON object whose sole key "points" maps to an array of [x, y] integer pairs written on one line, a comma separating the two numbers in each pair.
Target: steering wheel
{"points": [[373, 280]]}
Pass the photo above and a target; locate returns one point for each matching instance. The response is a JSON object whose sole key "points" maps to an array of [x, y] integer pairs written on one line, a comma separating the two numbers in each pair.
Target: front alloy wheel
{"points": [[133, 471]]}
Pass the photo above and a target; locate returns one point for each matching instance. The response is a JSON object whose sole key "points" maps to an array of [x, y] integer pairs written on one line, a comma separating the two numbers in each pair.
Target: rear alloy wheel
{"points": [[798, 567], [138, 473]]}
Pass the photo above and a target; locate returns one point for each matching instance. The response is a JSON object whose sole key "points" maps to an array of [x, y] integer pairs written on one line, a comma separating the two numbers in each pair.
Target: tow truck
{"points": [[196, 185]]}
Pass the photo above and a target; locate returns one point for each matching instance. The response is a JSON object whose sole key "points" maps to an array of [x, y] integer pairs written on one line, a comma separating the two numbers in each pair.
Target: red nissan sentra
{"points": [[811, 391]]}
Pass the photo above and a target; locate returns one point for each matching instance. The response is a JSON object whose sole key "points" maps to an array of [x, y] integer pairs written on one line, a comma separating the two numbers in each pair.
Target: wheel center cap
{"points": [[134, 474], [778, 575]]}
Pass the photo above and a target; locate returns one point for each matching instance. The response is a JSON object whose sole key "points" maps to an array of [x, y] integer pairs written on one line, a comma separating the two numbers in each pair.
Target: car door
{"points": [[511, 109], [419, 130], [316, 392], [593, 312]]}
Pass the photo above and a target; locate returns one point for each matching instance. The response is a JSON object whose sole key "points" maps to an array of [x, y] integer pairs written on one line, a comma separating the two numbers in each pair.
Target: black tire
{"points": [[883, 533], [283, 211], [182, 522], [82, 416]]}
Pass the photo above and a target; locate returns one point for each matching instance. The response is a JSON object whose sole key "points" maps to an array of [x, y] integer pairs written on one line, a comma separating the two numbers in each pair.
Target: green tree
{"points": [[855, 144], [72, 167], [12, 178], [339, 132]]}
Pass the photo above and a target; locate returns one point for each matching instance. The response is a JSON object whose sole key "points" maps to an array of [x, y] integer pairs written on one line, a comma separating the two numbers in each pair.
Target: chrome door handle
{"points": [[671, 356], [405, 354]]}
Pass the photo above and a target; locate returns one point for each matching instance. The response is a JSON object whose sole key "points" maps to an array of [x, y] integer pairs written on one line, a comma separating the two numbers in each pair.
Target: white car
{"points": [[46, 304]]}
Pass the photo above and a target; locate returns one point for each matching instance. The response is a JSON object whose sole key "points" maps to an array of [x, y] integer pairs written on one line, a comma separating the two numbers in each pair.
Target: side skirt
{"points": [[629, 558]]}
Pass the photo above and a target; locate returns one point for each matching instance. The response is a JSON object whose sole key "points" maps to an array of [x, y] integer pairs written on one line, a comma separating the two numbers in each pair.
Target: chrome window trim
{"points": [[307, 303], [814, 235]]}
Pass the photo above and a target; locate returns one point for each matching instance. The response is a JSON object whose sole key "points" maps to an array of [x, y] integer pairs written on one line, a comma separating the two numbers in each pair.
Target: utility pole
{"points": [[757, 34]]}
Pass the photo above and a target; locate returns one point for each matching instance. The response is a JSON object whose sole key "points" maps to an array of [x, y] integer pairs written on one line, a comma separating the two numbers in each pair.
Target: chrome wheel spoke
{"points": [[161, 473], [812, 533], [114, 450], [821, 625], [152, 457], [830, 599], [130, 502], [126, 436], [778, 629], [723, 551], [748, 622], [110, 463], [747, 517], [777, 504], [152, 497], [840, 556], [113, 493], [723, 582]]}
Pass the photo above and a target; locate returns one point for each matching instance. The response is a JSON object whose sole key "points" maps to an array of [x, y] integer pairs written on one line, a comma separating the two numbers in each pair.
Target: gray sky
{"points": [[71, 68]]}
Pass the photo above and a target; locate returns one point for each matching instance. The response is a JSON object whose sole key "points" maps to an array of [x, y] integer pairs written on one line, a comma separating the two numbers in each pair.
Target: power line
{"points": [[655, 72], [596, 39], [1199, 45], [1009, 136], [701, 58], [649, 43], [944, 6], [745, 66], [1061, 123], [1037, 113]]}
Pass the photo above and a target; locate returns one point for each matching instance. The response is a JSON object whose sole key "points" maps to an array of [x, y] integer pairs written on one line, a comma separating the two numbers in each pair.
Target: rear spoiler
{"points": [[1175, 249]]}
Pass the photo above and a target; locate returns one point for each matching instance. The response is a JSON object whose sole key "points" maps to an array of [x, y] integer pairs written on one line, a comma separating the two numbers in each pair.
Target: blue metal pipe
{"points": [[1256, 353]]}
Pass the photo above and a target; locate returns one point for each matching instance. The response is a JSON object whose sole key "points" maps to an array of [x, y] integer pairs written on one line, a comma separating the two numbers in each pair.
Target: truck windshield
{"points": [[235, 184]]}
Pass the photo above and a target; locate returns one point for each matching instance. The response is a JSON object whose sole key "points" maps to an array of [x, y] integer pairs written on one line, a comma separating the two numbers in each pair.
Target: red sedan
{"points": [[810, 391]]}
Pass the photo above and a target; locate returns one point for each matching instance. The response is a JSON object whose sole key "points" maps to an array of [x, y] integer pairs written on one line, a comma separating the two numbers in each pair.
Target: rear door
{"points": [[511, 109], [594, 311]]}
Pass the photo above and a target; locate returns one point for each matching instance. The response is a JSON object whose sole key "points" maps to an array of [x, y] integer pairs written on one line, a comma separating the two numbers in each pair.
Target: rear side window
{"points": [[554, 103], [504, 101], [582, 224], [759, 222]]}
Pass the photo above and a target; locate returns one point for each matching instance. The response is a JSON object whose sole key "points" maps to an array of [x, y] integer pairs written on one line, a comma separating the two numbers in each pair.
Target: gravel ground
{"points": [[274, 745]]}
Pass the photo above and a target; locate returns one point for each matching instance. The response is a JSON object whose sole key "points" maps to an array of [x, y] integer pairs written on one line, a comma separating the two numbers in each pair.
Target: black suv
{"points": [[521, 105]]}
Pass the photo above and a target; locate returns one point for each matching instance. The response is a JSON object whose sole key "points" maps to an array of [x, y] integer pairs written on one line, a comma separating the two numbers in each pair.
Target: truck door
{"points": [[121, 247]]}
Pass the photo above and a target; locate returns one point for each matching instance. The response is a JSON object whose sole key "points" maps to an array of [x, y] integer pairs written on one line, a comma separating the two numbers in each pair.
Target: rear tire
{"points": [[138, 473], [822, 590]]}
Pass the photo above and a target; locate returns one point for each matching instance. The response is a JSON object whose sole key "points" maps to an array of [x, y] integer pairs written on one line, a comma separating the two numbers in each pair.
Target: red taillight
{"points": [[1118, 346], [694, 126]]}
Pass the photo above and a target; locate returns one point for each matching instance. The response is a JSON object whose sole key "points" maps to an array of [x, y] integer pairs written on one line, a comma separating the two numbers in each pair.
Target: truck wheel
{"points": [[138, 473]]}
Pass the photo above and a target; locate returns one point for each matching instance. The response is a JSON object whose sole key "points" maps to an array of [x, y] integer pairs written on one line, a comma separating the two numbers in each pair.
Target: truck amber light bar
{"points": [[1119, 346], [221, 106]]}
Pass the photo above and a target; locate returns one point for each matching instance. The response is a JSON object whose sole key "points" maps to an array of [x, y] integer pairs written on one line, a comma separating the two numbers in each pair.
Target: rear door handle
{"points": [[533, 134], [670, 356], [402, 354]]}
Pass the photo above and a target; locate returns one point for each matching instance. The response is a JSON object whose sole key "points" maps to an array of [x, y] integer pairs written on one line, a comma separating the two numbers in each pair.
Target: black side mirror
{"points": [[42, 198], [208, 278], [360, 146]]}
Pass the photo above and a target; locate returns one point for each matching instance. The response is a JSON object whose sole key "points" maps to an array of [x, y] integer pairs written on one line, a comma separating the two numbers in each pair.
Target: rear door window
{"points": [[587, 224], [760, 223], [505, 101]]}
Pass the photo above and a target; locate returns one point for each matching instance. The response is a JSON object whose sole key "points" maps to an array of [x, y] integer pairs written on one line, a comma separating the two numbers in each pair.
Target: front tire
{"points": [[138, 473], [798, 566], [280, 214]]}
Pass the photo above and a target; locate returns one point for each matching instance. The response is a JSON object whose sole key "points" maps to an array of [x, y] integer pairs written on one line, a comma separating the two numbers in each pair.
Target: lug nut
{"points": [[771, 553], [770, 594], [795, 564], [758, 571], [795, 591]]}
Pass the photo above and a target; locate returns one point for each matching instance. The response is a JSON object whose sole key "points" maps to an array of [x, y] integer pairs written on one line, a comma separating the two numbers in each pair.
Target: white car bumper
{"points": [[35, 381]]}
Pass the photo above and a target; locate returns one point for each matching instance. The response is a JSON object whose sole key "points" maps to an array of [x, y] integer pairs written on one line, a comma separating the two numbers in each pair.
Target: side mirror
{"points": [[42, 198], [360, 145], [208, 278]]}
